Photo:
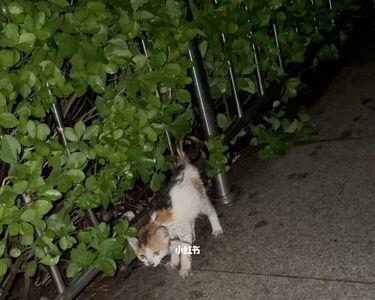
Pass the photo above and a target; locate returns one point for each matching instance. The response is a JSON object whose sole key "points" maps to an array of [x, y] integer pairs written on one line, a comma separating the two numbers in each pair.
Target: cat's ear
{"points": [[162, 233], [133, 242]]}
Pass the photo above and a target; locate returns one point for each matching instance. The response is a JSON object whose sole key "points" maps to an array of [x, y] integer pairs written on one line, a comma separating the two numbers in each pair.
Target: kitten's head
{"points": [[152, 245]]}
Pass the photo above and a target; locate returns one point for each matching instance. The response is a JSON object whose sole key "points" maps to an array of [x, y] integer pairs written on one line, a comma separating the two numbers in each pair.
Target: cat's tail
{"points": [[182, 157]]}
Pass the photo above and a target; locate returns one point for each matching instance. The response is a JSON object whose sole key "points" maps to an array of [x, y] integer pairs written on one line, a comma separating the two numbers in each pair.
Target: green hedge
{"points": [[88, 54]]}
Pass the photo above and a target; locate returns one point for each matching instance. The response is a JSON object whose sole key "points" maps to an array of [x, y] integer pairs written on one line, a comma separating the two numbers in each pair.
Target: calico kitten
{"points": [[172, 223]]}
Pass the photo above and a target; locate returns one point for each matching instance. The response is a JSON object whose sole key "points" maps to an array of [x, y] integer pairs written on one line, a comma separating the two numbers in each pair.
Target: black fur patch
{"points": [[162, 198]]}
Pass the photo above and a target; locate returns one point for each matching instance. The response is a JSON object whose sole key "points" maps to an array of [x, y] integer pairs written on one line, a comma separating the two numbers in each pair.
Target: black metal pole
{"points": [[53, 270], [223, 192]]}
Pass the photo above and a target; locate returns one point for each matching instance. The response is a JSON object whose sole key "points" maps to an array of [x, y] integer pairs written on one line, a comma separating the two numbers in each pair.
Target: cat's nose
{"points": [[151, 264]]}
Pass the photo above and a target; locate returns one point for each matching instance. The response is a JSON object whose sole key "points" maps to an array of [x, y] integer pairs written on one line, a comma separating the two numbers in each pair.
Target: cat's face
{"points": [[152, 246]]}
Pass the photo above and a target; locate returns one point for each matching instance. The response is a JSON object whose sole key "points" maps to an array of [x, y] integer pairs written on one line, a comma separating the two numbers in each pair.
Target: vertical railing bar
{"points": [[233, 81], [54, 270], [259, 75], [56, 112], [59, 121], [331, 9], [223, 190], [255, 57], [232, 77], [314, 17], [166, 131], [278, 46], [202, 91]]}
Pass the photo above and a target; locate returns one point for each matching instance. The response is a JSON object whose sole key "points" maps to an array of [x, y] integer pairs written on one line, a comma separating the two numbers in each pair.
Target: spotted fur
{"points": [[172, 223]]}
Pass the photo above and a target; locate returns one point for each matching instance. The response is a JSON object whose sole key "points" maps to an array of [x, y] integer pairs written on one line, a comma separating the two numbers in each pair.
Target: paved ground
{"points": [[304, 224]]}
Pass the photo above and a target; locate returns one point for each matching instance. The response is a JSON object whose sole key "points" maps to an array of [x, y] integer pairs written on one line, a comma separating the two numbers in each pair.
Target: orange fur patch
{"points": [[150, 226], [198, 185], [156, 244], [164, 216]]}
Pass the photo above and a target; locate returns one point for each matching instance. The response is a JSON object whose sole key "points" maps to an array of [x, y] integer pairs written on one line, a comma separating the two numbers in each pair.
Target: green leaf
{"points": [[31, 129], [91, 131], [4, 264], [131, 232], [72, 270], [140, 60], [10, 149], [8, 120], [76, 175], [293, 126], [2, 248], [122, 227], [31, 268], [50, 261], [20, 187], [106, 265], [81, 256], [13, 229], [11, 34], [27, 240], [9, 58], [26, 41], [63, 243], [264, 153], [15, 252], [60, 3], [247, 85], [96, 83], [111, 248], [84, 237], [223, 121], [26, 228], [150, 133], [28, 215], [52, 195], [42, 207], [232, 28], [42, 131], [70, 134], [79, 129], [183, 96], [156, 181], [76, 160], [172, 69], [143, 15]]}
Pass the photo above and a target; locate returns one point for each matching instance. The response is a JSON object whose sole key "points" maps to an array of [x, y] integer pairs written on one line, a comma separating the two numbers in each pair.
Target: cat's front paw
{"points": [[217, 232], [170, 266], [185, 273]]}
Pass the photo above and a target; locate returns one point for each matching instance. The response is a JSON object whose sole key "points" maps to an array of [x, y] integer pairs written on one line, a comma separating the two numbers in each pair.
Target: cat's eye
{"points": [[142, 256], [156, 253]]}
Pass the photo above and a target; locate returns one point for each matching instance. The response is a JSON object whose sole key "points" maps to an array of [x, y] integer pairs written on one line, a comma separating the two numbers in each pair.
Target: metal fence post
{"points": [[314, 17], [54, 270], [59, 121], [232, 77], [331, 9], [223, 192], [157, 94], [274, 28]]}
